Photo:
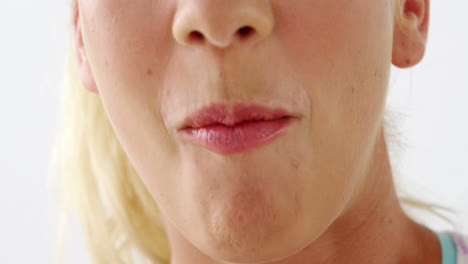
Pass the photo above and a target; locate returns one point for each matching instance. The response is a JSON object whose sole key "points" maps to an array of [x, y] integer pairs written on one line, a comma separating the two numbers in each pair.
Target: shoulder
{"points": [[461, 241]]}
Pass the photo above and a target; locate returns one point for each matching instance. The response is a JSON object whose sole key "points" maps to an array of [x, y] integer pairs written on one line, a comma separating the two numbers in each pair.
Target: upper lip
{"points": [[231, 115]]}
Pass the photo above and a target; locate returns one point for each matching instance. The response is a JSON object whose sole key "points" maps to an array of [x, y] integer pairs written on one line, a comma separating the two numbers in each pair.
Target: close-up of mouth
{"points": [[230, 129]]}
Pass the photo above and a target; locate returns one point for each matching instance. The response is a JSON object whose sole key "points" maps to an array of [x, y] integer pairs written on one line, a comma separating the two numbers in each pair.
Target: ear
{"points": [[410, 32], [84, 69]]}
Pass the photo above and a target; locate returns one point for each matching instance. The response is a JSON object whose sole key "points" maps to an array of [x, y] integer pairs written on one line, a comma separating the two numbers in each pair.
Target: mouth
{"points": [[230, 129]]}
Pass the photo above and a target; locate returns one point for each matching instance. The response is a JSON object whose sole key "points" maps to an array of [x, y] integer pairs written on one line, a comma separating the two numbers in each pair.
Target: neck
{"points": [[373, 229]]}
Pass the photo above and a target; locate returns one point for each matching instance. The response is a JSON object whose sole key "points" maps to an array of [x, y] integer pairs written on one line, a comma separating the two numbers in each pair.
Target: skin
{"points": [[322, 192]]}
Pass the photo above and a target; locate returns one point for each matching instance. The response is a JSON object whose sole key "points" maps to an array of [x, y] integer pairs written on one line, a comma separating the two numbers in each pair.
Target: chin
{"points": [[253, 227], [263, 245], [245, 212]]}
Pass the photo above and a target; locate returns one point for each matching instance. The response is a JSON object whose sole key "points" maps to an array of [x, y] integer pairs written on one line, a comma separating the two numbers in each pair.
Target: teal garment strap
{"points": [[449, 248]]}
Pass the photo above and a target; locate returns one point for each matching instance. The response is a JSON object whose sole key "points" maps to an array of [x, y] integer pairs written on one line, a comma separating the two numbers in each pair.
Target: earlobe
{"points": [[84, 69], [410, 32]]}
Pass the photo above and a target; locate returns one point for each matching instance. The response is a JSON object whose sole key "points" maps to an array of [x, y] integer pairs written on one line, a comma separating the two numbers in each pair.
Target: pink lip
{"points": [[229, 129]]}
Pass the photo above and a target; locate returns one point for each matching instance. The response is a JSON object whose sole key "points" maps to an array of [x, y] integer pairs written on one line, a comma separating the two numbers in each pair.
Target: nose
{"points": [[220, 23]]}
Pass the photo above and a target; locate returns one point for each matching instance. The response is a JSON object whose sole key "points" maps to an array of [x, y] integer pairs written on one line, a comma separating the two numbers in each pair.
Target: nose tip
{"points": [[221, 23]]}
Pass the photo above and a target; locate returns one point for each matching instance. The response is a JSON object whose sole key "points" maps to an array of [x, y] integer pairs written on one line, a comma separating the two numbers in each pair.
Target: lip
{"points": [[229, 129]]}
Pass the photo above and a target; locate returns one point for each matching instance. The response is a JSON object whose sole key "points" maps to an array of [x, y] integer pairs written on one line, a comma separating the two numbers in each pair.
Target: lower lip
{"points": [[238, 138]]}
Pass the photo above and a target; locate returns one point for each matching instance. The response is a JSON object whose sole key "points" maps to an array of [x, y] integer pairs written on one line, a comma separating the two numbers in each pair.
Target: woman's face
{"points": [[325, 63]]}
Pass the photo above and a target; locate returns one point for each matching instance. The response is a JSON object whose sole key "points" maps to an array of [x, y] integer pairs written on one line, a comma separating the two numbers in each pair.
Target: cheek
{"points": [[128, 51], [330, 42], [342, 55], [341, 51], [127, 44]]}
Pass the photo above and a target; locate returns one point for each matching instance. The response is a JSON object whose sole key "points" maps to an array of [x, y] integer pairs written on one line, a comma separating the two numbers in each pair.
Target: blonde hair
{"points": [[120, 219]]}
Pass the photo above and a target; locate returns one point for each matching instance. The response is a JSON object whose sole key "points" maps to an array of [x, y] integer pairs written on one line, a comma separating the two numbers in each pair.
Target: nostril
{"points": [[196, 36], [246, 31]]}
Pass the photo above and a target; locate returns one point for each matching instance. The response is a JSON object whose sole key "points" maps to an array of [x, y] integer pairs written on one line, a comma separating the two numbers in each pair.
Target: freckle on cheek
{"points": [[295, 164], [149, 72]]}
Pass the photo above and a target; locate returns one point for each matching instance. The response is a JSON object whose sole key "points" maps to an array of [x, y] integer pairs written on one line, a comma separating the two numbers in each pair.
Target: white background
{"points": [[432, 99]]}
